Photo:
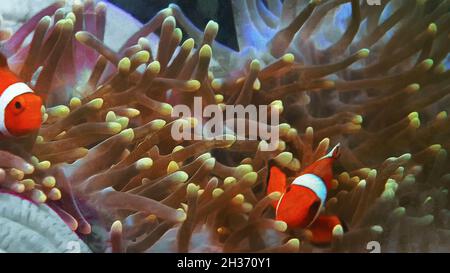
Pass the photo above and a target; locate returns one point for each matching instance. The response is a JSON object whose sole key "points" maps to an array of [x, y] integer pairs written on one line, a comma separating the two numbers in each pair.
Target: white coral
{"points": [[27, 227]]}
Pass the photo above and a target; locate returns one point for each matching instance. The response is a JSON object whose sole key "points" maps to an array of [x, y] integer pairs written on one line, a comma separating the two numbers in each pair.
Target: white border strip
{"points": [[314, 183], [330, 154], [6, 97]]}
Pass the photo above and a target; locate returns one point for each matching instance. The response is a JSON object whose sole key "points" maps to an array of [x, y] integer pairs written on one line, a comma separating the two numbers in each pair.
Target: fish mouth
{"points": [[31, 126]]}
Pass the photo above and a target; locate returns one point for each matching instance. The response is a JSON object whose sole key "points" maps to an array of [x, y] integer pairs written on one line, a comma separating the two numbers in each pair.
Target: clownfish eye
{"points": [[18, 105]]}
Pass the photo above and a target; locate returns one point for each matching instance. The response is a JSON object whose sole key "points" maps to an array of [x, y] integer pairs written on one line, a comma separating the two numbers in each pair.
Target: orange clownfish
{"points": [[301, 201], [20, 108]]}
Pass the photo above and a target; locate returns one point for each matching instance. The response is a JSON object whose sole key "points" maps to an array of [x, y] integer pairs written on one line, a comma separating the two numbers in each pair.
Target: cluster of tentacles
{"points": [[105, 156]]}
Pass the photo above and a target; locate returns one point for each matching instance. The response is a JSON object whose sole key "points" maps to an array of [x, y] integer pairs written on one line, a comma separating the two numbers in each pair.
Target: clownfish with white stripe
{"points": [[301, 202], [20, 108]]}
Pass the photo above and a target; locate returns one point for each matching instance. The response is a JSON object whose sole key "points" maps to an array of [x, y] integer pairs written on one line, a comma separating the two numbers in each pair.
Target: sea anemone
{"points": [[374, 78]]}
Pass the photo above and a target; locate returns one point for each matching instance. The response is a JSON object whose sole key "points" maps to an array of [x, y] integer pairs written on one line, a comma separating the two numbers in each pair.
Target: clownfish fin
{"points": [[335, 153], [322, 229], [276, 181]]}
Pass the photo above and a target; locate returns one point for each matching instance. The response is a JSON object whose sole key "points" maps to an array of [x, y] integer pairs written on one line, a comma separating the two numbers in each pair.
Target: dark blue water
{"points": [[199, 11]]}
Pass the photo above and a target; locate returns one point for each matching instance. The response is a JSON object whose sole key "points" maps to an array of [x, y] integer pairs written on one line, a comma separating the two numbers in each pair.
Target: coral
{"points": [[28, 227], [105, 155]]}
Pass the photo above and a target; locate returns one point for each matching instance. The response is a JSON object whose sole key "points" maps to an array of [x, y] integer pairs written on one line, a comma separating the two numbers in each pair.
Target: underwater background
{"points": [[104, 174], [198, 11]]}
